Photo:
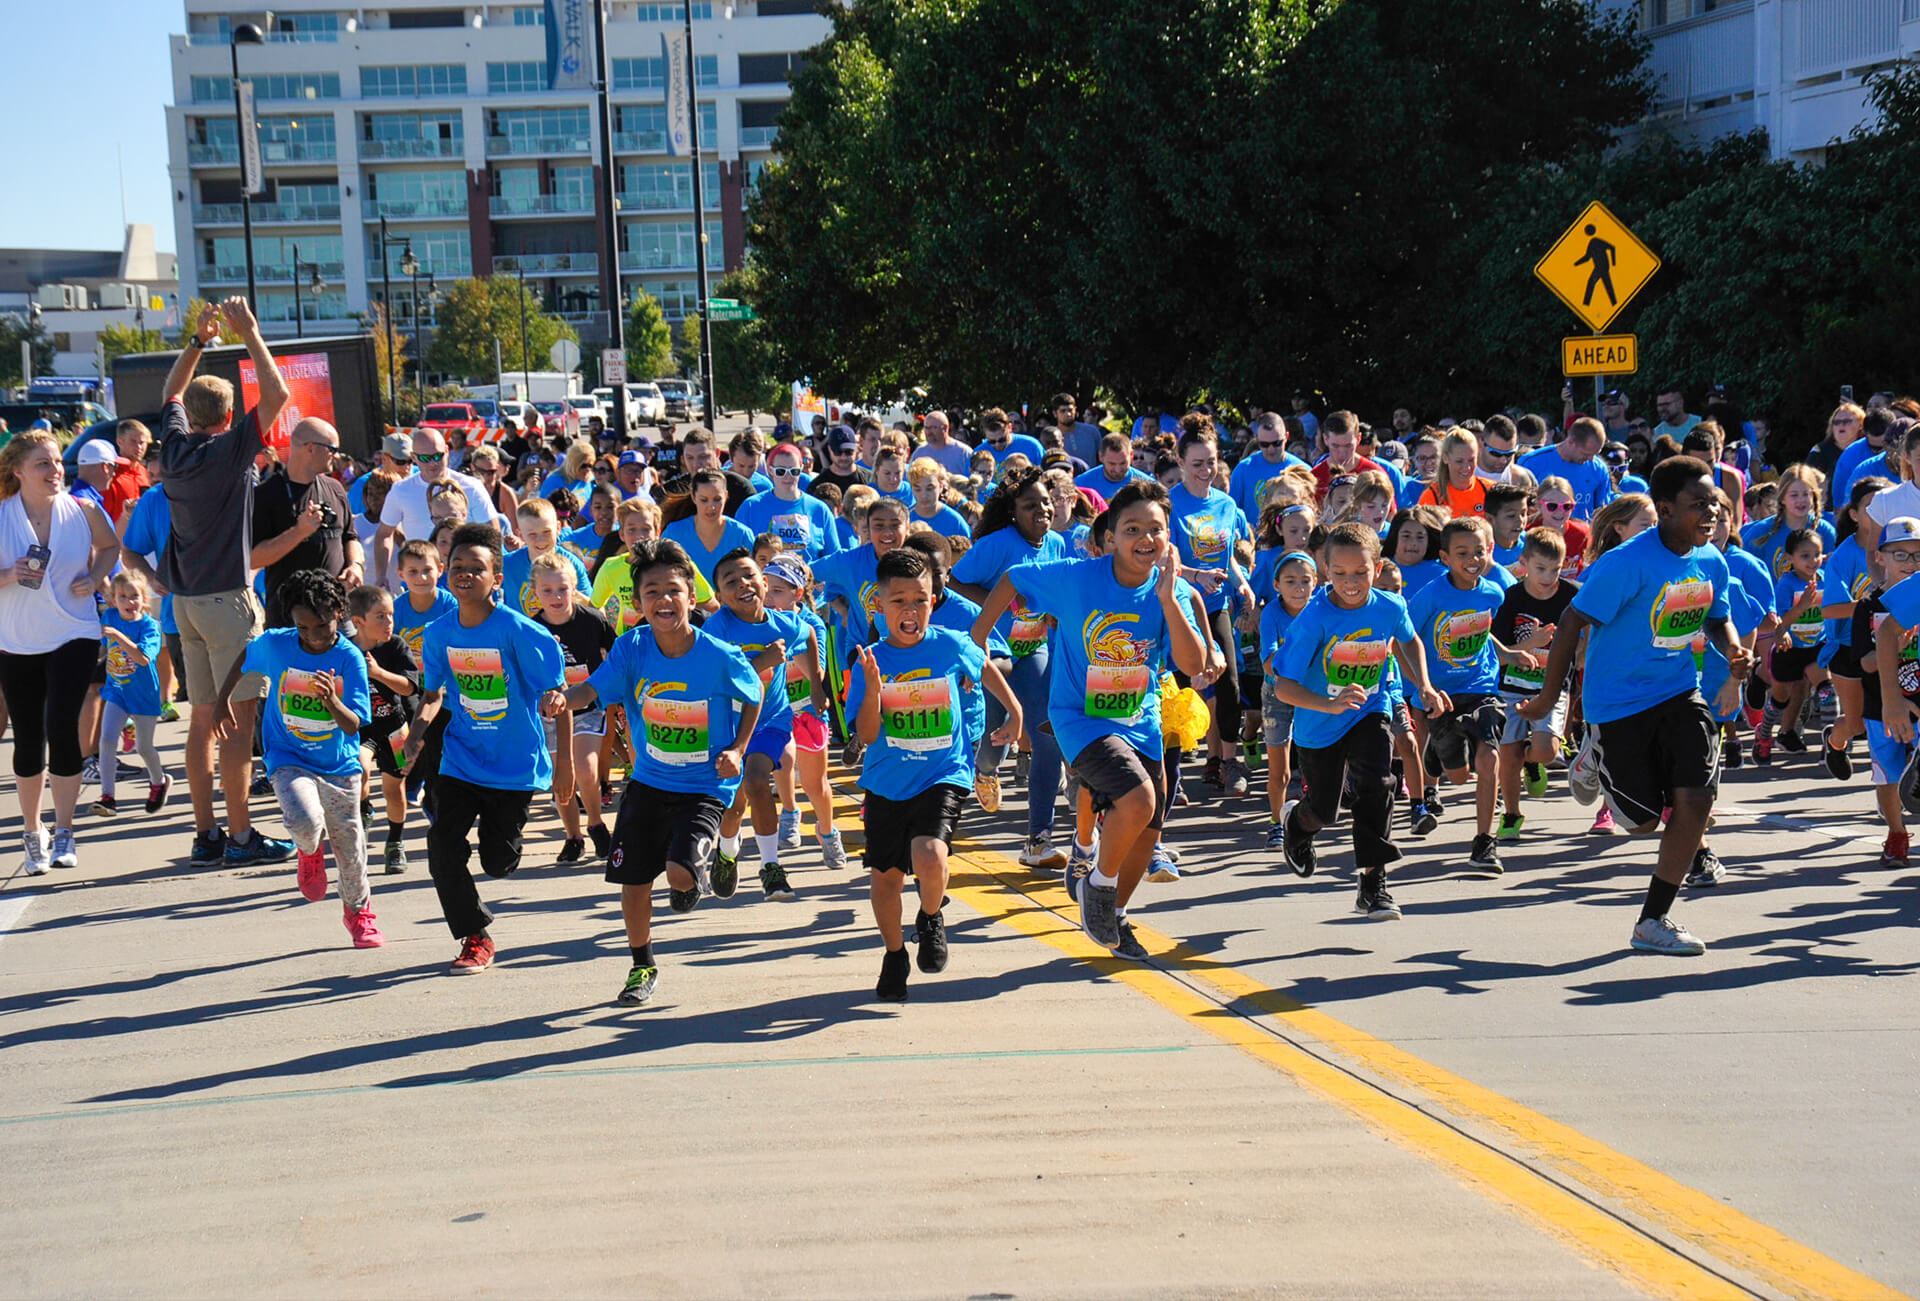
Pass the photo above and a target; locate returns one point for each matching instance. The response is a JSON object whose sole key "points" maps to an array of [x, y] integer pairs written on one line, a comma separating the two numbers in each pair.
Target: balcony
{"points": [[1822, 37], [228, 214], [655, 259], [1703, 60], [414, 209], [653, 201], [525, 146], [277, 38], [297, 151], [540, 205], [417, 148], [213, 154], [546, 264], [758, 137], [640, 142], [267, 273]]}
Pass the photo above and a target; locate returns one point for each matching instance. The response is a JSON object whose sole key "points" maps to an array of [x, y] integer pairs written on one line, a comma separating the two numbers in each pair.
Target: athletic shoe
{"points": [[1210, 775], [986, 792], [1179, 799], [476, 955], [1296, 846], [1079, 867], [1431, 797], [1762, 751], [1422, 818], [893, 977], [1130, 946], [572, 851], [1022, 765], [105, 807], [34, 847], [931, 932], [169, 714], [1664, 935], [1277, 838], [1534, 775], [1839, 762], [726, 875], [1484, 855], [367, 815], [311, 874], [1602, 823], [90, 771], [602, 839], [65, 853], [790, 829], [360, 925], [639, 986], [1373, 901], [1583, 774], [852, 751], [1730, 754], [261, 785], [1894, 852], [1162, 869], [1791, 741], [157, 793], [682, 901], [1099, 912], [395, 858], [209, 847], [1173, 854], [773, 881], [126, 739], [260, 848], [1707, 869], [832, 850], [1040, 855], [1510, 824], [1237, 775]]}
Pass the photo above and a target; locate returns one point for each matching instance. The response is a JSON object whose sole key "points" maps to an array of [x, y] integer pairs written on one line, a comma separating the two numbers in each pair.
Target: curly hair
{"points": [[998, 513], [317, 590]]}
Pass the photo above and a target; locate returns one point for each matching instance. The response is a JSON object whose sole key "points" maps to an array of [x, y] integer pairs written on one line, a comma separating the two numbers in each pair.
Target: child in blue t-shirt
{"points": [[789, 584], [917, 767], [693, 703], [317, 697], [1294, 576], [1797, 597], [131, 693], [1331, 671], [422, 600]]}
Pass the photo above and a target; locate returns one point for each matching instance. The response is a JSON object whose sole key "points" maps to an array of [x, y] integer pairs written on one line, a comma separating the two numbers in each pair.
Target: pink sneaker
{"points": [[313, 874], [127, 740], [1602, 823], [360, 925]]}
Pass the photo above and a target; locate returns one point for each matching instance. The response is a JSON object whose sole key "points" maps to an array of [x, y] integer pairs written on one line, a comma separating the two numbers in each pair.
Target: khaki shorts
{"points": [[214, 632]]}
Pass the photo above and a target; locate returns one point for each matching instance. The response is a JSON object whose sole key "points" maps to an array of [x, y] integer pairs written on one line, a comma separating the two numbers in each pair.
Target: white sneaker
{"points": [[1583, 774], [35, 844], [1664, 935], [64, 853], [833, 852], [1041, 855]]}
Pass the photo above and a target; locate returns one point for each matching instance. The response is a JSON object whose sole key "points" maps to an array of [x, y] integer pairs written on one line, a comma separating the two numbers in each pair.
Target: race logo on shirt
{"points": [[794, 531], [1680, 613], [481, 676], [120, 665], [677, 732], [1208, 539], [1030, 629], [301, 708], [869, 598], [916, 711], [413, 639], [1118, 673], [1462, 635], [1358, 659]]}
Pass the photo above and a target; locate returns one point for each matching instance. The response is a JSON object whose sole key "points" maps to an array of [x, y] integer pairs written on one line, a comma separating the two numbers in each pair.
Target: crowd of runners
{"points": [[1417, 630]]}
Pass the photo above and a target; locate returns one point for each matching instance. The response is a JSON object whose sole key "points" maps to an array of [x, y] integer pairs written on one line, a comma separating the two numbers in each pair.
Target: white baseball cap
{"points": [[1901, 528], [97, 451]]}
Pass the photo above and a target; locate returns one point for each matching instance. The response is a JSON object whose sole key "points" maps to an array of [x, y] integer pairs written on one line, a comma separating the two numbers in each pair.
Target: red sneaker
{"points": [[360, 925], [157, 794], [476, 955], [313, 874], [1894, 852], [127, 739]]}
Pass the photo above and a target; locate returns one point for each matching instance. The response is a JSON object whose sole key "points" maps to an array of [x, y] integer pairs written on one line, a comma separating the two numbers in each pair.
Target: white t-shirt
{"points": [[34, 621], [406, 506], [1892, 503]]}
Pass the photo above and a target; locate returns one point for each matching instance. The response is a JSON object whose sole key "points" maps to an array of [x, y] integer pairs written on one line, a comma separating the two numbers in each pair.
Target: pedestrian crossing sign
{"points": [[1597, 267]]}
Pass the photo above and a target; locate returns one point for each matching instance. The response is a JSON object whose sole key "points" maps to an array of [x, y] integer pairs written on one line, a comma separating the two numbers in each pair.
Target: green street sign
{"points": [[719, 310], [723, 302]]}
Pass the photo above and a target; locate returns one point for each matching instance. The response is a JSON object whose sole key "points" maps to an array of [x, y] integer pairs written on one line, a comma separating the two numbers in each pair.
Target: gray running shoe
{"points": [[1664, 935], [1099, 912], [1130, 946], [1583, 774], [833, 852]]}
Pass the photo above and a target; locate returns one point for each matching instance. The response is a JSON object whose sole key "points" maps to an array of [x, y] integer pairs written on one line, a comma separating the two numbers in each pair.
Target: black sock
{"points": [[1660, 897], [396, 832], [642, 954]]}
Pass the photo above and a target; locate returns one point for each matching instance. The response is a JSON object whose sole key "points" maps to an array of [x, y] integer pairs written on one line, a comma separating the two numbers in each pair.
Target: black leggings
{"points": [[44, 694]]}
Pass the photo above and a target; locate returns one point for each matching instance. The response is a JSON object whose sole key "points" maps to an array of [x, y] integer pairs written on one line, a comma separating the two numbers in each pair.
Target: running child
{"points": [[574, 736], [1293, 579], [789, 584], [423, 600], [393, 683], [1884, 622], [1792, 667], [131, 693], [1848, 576], [1528, 618], [539, 526]]}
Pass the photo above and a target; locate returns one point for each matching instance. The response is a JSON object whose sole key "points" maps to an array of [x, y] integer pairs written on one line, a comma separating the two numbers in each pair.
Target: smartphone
{"points": [[1846, 392], [36, 558]]}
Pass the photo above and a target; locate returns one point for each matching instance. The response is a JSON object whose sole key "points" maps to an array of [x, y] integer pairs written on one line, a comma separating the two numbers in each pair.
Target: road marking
{"points": [[11, 911], [1004, 893]]}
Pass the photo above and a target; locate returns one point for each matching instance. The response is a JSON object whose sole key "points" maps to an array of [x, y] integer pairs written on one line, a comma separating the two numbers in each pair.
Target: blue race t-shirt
{"points": [[776, 708], [957, 614], [1591, 483], [148, 530], [584, 541], [1096, 480], [1845, 579], [1767, 539], [1414, 578], [410, 625], [680, 708], [733, 535], [923, 731], [1746, 609], [557, 481], [1648, 605], [850, 576], [1329, 648], [1852, 464], [296, 728], [1456, 627], [1024, 626], [1204, 528], [946, 521], [1254, 469], [1808, 629], [1025, 444], [516, 580], [1109, 651], [133, 686], [804, 524], [493, 675], [1274, 622]]}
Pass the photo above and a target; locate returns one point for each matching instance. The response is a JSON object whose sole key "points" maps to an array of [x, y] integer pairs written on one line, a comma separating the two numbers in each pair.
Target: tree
{"points": [[649, 338], [475, 314], [124, 340], [389, 355], [16, 328], [190, 317], [746, 368]]}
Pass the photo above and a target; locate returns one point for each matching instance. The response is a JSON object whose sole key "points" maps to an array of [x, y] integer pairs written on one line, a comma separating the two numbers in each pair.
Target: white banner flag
{"points": [[679, 78], [252, 179], [571, 60]]}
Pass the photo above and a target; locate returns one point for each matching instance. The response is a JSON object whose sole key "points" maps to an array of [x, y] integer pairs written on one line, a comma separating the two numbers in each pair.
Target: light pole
{"points": [[699, 215], [613, 296], [410, 268], [419, 355], [244, 34], [299, 319], [386, 310], [525, 379]]}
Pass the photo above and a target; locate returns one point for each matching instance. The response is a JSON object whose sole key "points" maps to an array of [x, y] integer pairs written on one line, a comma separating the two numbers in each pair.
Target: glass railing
{"points": [[216, 214], [415, 207], [267, 272], [758, 137], [280, 151], [653, 201], [277, 38], [545, 263], [533, 205], [639, 142], [655, 260], [201, 155], [513, 146], [296, 211], [414, 148]]}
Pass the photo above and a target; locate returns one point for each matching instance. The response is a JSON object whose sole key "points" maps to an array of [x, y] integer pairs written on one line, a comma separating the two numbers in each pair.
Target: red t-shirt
{"points": [[1323, 474], [128, 482]]}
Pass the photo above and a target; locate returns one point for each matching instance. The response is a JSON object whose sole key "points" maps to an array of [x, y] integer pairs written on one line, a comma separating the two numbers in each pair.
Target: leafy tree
{"points": [[649, 338], [474, 314], [123, 340], [190, 317], [746, 366], [16, 328], [389, 355]]}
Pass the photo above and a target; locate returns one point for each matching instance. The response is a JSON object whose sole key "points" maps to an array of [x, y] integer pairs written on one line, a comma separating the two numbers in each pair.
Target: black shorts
{"points": [[656, 827], [1645, 757], [1474, 723], [380, 745], [178, 658], [99, 678], [1111, 770], [1844, 664], [1792, 665], [893, 825], [1250, 681]]}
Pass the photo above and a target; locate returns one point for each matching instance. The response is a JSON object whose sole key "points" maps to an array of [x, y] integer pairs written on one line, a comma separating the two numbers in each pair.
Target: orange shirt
{"points": [[1470, 500]]}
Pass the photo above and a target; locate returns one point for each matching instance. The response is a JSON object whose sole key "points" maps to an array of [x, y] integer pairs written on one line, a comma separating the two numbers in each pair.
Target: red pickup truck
{"points": [[450, 416]]}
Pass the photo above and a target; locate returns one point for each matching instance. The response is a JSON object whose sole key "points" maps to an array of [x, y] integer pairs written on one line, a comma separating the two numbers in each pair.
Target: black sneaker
{"points": [[1484, 856], [639, 986], [1707, 870], [726, 875], [602, 840], [1373, 901], [1129, 946], [1731, 756], [1422, 818], [209, 848], [682, 901], [572, 851], [1210, 775], [893, 977], [931, 931], [1431, 799], [1791, 742], [1295, 844], [773, 880], [1839, 762], [262, 785]]}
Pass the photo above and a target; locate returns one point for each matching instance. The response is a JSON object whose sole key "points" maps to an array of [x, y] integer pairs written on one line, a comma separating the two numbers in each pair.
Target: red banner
{"points": [[310, 383]]}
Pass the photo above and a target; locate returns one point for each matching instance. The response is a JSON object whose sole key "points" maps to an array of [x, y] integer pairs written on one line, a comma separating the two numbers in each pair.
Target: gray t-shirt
{"points": [[209, 481]]}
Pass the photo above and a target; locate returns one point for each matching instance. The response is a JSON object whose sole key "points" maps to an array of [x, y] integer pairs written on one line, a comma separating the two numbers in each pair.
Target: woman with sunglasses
{"points": [[1556, 513], [800, 521], [484, 463]]}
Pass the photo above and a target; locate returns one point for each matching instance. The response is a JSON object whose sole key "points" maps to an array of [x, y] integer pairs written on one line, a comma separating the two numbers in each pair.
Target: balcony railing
{"points": [[639, 142], [533, 205], [268, 272], [546, 263], [228, 214], [424, 147], [654, 201], [652, 259], [285, 151], [213, 153], [278, 38], [375, 208], [517, 146], [1702, 59], [758, 137], [1828, 36]]}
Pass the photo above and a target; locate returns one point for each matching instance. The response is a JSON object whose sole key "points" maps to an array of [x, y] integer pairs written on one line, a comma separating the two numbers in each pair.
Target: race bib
{"points": [[917, 715], [301, 708], [794, 531], [575, 674], [676, 730], [481, 677], [799, 690], [1810, 629], [1680, 613], [1461, 637], [1354, 663], [1029, 630], [1118, 691]]}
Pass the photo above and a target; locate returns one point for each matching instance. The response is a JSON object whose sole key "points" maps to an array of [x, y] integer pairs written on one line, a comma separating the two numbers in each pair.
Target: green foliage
{"points": [[747, 373], [473, 314], [125, 340], [190, 317], [389, 354], [649, 338], [14, 329]]}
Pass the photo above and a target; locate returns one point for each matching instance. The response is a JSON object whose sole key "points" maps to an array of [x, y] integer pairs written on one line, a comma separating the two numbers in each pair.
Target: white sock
{"points": [[730, 846], [1104, 881], [1080, 848], [769, 847]]}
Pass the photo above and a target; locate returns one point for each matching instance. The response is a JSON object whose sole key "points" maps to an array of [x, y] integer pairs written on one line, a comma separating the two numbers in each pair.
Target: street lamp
{"points": [[525, 379], [419, 355], [386, 310], [410, 268], [244, 34], [317, 284], [699, 213]]}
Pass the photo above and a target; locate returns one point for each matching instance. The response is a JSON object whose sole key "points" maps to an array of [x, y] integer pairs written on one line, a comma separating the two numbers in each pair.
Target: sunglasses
{"points": [[1267, 442], [1502, 451], [1556, 507], [430, 458], [784, 471]]}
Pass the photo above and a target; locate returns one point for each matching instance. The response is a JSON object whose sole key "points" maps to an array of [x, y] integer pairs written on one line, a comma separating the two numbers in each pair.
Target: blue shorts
{"points": [[772, 742], [1889, 756]]}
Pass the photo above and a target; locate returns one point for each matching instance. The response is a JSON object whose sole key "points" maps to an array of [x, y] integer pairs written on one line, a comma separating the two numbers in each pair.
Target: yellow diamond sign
{"points": [[1597, 267]]}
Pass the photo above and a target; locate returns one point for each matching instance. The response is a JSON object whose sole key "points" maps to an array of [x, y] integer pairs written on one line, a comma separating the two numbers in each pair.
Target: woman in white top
{"points": [[54, 552]]}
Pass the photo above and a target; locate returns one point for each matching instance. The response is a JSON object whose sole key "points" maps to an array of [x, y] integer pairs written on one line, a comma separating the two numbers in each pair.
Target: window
{"points": [[530, 17], [672, 13], [408, 80], [676, 297], [706, 70], [445, 253], [628, 74], [412, 135], [516, 78], [668, 185], [537, 130], [783, 8], [769, 69], [273, 255], [405, 19], [293, 85], [305, 27], [573, 186], [660, 244]]}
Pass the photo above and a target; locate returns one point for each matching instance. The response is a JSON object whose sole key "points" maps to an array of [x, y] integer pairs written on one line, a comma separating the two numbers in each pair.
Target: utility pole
{"points": [[699, 219], [609, 230]]}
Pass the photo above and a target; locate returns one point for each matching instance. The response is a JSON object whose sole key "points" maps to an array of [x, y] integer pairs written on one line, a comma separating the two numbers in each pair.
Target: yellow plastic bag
{"points": [[1183, 714]]}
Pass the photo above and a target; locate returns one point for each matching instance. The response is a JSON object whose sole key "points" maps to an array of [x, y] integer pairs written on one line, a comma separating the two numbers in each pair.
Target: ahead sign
{"points": [[1597, 267], [1600, 354]]}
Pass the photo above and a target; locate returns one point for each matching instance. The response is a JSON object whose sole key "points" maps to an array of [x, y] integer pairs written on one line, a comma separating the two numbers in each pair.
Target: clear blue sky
{"points": [[112, 92]]}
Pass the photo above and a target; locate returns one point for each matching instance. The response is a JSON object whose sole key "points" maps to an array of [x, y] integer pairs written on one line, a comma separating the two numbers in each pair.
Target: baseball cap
{"points": [[1612, 395], [41, 423], [1901, 528], [841, 436], [633, 458], [97, 451], [398, 446], [788, 569], [1392, 450]]}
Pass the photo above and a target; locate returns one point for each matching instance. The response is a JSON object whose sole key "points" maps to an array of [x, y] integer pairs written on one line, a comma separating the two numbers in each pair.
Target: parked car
{"points": [[558, 419], [450, 416], [679, 398], [586, 407], [524, 413], [646, 405]]}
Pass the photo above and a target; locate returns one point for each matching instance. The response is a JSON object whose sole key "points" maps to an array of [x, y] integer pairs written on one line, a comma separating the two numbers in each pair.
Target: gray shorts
{"points": [[1276, 716], [1519, 729], [586, 722]]}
